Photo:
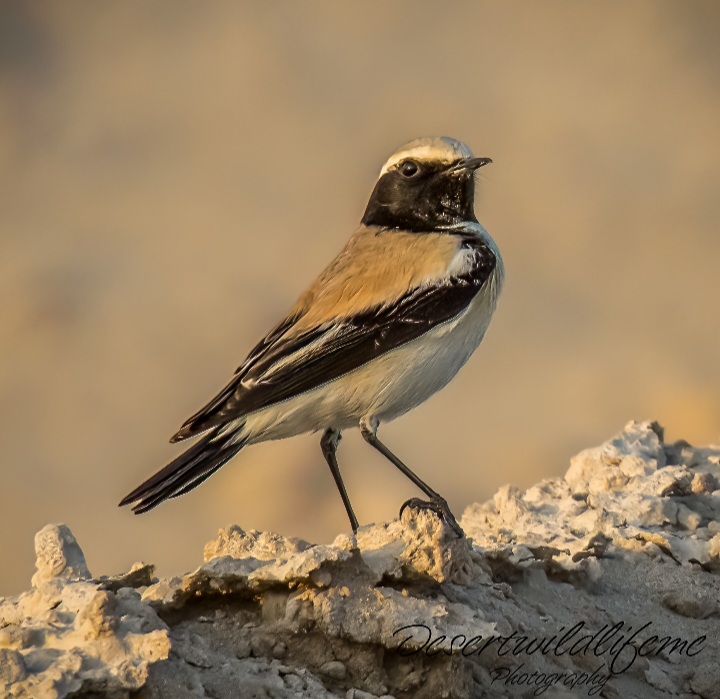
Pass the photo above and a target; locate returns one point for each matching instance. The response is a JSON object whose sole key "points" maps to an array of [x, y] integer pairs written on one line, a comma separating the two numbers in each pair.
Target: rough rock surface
{"points": [[604, 583]]}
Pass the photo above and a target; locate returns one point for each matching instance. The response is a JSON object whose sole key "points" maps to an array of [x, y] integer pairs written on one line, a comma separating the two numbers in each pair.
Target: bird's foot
{"points": [[440, 507]]}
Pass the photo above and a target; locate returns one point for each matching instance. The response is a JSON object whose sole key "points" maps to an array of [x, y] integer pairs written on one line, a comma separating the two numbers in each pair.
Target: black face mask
{"points": [[422, 196]]}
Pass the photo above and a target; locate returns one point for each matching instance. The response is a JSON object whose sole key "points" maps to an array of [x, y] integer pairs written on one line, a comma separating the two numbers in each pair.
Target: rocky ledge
{"points": [[602, 583]]}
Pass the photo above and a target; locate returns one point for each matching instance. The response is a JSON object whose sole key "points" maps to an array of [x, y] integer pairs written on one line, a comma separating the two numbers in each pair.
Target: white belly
{"points": [[390, 385]]}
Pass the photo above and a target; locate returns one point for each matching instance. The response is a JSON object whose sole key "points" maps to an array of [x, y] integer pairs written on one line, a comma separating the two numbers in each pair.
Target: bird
{"points": [[388, 323]]}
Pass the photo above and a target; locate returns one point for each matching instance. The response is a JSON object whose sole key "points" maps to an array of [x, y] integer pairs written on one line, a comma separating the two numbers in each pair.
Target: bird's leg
{"points": [[329, 444], [437, 502]]}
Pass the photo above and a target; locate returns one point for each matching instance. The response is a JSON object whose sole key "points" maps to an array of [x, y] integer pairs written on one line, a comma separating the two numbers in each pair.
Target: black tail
{"points": [[187, 471]]}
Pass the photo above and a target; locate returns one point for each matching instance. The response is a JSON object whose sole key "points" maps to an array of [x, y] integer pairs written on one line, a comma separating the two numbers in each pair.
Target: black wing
{"points": [[193, 425], [280, 368]]}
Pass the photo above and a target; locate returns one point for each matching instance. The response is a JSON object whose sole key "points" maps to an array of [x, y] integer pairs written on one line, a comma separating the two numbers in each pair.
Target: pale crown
{"points": [[438, 148]]}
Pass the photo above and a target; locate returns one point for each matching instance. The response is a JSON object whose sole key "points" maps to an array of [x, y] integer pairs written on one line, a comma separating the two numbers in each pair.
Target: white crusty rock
{"points": [[627, 543], [633, 493], [68, 635], [58, 557]]}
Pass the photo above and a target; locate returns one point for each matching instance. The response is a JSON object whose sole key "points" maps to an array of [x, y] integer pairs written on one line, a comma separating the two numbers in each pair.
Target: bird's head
{"points": [[426, 185]]}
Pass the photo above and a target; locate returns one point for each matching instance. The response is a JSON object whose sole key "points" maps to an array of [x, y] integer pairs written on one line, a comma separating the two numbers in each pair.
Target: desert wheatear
{"points": [[388, 323]]}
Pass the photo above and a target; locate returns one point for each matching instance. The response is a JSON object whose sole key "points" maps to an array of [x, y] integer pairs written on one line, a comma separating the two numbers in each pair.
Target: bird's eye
{"points": [[409, 168]]}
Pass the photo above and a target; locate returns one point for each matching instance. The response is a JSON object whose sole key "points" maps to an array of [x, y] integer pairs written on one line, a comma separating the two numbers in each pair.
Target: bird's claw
{"points": [[440, 507]]}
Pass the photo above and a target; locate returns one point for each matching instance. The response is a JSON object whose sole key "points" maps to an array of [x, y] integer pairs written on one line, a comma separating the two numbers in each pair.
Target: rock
{"points": [[12, 668], [139, 575], [359, 694], [632, 489], [687, 518], [334, 669], [626, 543], [59, 556], [704, 483], [264, 546], [705, 681], [636, 452], [69, 636], [692, 603]]}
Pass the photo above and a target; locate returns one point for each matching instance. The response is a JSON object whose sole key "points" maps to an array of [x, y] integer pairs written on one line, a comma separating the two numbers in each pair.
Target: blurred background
{"points": [[173, 174]]}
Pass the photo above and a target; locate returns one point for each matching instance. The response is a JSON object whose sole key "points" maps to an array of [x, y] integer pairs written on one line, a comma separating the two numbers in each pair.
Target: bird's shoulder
{"points": [[376, 267]]}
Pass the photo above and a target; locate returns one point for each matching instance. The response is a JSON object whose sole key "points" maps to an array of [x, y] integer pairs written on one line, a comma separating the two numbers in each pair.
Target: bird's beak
{"points": [[471, 164]]}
